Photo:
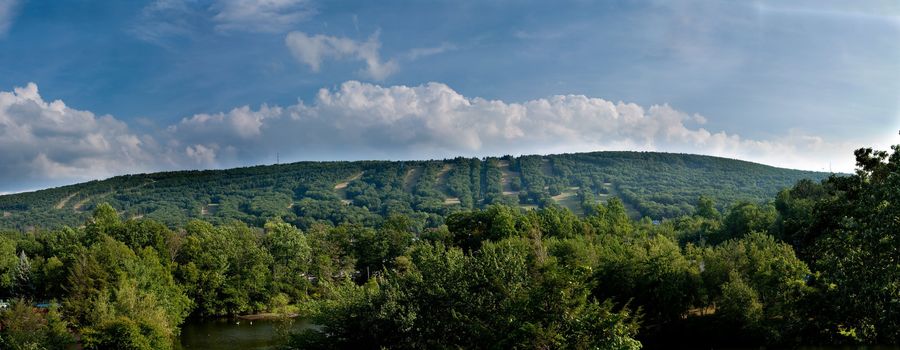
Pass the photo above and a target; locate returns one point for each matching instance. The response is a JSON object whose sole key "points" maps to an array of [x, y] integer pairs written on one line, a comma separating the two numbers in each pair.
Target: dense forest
{"points": [[817, 263], [654, 185]]}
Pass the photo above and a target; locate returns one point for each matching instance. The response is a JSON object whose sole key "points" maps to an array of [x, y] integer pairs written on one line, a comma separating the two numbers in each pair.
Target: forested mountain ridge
{"points": [[656, 185]]}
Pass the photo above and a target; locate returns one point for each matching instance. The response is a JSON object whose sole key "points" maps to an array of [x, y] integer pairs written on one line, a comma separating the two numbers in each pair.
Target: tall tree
{"points": [[24, 286]]}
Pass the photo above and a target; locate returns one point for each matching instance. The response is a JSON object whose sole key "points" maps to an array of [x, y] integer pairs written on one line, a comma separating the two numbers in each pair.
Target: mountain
{"points": [[656, 185]]}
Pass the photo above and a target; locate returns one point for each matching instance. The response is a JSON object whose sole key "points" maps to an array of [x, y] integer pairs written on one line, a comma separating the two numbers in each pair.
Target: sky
{"points": [[92, 89]]}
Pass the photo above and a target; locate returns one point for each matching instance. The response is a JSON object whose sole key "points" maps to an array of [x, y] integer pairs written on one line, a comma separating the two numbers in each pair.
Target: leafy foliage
{"points": [[847, 228], [444, 298]]}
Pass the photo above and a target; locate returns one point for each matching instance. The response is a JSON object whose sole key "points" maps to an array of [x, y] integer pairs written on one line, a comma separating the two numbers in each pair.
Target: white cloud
{"points": [[313, 50], [200, 154], [260, 15], [8, 11], [240, 123], [49, 141]]}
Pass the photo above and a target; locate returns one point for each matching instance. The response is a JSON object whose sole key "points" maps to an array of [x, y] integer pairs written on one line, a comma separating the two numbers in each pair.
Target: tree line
{"points": [[657, 185]]}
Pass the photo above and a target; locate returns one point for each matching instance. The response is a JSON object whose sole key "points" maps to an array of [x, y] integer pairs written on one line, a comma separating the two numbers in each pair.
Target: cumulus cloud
{"points": [[313, 50], [8, 11], [49, 140], [240, 123], [200, 154]]}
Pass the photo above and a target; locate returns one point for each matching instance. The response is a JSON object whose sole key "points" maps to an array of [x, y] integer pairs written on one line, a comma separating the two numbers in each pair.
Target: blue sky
{"points": [[179, 84]]}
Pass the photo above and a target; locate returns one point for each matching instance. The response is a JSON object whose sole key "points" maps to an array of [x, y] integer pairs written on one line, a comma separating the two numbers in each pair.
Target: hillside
{"points": [[657, 185]]}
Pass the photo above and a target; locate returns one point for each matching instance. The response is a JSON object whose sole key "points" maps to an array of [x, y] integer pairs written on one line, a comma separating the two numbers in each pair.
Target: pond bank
{"points": [[267, 316]]}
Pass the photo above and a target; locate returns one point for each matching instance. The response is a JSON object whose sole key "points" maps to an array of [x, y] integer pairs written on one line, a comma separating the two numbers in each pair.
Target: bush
{"points": [[740, 303], [126, 334]]}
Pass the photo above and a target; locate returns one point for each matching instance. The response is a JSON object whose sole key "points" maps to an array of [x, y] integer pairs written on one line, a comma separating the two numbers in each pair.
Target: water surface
{"points": [[228, 334]]}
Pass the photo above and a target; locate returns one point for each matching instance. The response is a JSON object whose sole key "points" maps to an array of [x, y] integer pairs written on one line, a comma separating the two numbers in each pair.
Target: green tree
{"points": [[470, 229], [611, 218], [225, 269], [291, 259], [376, 250], [125, 333], [104, 221], [23, 283], [856, 247], [8, 264], [740, 304], [773, 275], [743, 218], [53, 273], [111, 282], [650, 273], [500, 296], [706, 208], [796, 212], [27, 328]]}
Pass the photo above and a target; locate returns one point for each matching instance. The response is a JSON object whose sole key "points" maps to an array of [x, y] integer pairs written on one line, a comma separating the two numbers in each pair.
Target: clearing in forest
{"points": [[442, 177], [209, 209], [80, 204], [507, 177], [411, 178], [613, 192], [341, 187], [345, 183], [569, 199], [603, 197], [62, 203], [546, 167]]}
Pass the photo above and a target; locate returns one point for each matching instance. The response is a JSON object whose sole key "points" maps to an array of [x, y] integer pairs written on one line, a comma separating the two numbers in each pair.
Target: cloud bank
{"points": [[51, 141]]}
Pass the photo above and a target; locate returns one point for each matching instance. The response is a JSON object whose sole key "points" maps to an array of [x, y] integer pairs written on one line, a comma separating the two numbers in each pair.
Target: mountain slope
{"points": [[658, 185]]}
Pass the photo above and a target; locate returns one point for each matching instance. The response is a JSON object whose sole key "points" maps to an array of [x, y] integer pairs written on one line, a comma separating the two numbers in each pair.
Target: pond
{"points": [[228, 334]]}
